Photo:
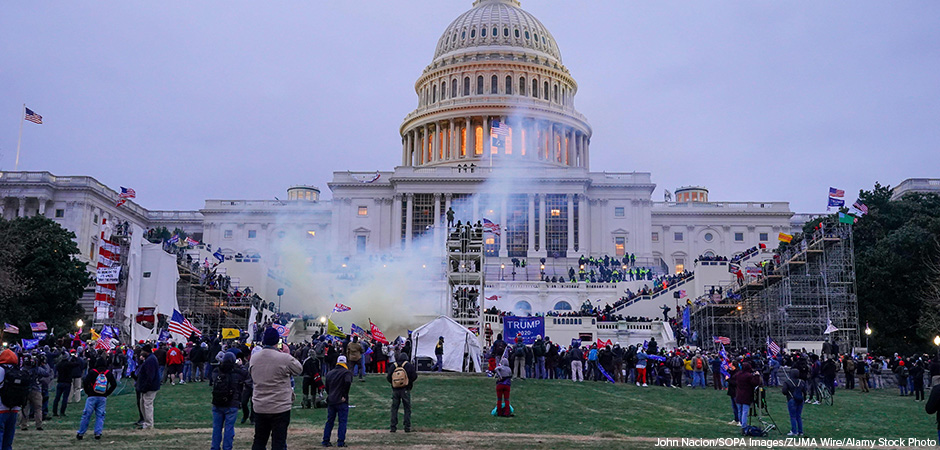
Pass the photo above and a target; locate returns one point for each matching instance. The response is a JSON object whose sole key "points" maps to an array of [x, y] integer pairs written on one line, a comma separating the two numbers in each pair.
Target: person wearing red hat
{"points": [[902, 372]]}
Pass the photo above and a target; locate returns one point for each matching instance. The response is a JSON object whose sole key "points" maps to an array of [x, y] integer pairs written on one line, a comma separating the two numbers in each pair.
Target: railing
{"points": [[70, 182], [656, 295], [739, 206]]}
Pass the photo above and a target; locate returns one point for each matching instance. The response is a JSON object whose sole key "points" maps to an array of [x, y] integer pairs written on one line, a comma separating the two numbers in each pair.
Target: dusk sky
{"points": [[187, 101]]}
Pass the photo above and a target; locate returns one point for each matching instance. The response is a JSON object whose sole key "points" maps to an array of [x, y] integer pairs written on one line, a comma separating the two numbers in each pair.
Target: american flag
{"points": [[127, 193], [7, 328], [191, 242], [833, 192], [491, 227], [39, 326], [722, 340], [499, 130], [772, 347], [180, 325], [104, 343], [861, 207], [339, 307], [32, 116]]}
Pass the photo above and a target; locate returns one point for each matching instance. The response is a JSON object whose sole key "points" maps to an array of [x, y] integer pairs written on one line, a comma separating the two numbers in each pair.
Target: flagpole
{"points": [[16, 167]]}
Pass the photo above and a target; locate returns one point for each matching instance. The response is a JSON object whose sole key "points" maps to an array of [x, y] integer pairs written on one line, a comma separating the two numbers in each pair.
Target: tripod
{"points": [[761, 413]]}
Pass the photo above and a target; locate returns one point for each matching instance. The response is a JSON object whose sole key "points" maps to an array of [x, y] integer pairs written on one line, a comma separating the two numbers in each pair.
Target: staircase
{"points": [[668, 292]]}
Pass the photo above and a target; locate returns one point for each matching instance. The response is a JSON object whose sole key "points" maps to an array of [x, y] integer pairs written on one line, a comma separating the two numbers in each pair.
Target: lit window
{"points": [[709, 237], [252, 234], [556, 212], [739, 237], [60, 213], [227, 234], [363, 210], [490, 241], [619, 244], [680, 265], [678, 237], [310, 233], [655, 236], [618, 211], [763, 236]]}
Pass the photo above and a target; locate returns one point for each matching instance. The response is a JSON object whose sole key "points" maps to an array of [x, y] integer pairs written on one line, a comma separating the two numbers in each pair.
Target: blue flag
{"points": [[687, 319], [164, 336], [30, 343], [836, 202], [357, 330], [218, 255]]}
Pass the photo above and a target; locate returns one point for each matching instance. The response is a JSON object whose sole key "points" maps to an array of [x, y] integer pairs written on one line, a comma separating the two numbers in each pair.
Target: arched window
{"points": [[473, 33], [463, 35], [517, 33], [508, 85], [434, 94], [506, 32], [562, 306], [545, 91], [535, 88], [483, 32], [556, 93], [453, 88], [480, 85], [536, 39], [521, 85], [494, 85], [526, 35], [495, 32], [522, 308], [466, 86], [443, 90]]}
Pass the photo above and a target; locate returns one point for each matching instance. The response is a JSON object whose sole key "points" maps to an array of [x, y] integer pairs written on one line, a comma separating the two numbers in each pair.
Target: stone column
{"points": [[487, 142], [570, 222], [583, 239], [447, 199], [396, 223], [531, 232], [587, 153], [42, 206], [424, 145], [471, 137], [410, 210], [435, 142], [437, 218], [21, 211], [542, 226], [569, 147], [504, 232], [411, 148], [451, 154]]}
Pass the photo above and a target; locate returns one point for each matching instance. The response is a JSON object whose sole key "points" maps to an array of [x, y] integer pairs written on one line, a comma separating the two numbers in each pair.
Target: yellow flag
{"points": [[94, 335], [334, 330], [783, 237], [230, 333]]}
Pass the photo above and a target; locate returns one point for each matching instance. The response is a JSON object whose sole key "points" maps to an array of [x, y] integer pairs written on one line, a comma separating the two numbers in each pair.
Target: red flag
{"points": [[601, 344], [377, 334]]}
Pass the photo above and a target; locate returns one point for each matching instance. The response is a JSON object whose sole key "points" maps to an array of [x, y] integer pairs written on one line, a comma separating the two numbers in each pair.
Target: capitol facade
{"points": [[495, 135]]}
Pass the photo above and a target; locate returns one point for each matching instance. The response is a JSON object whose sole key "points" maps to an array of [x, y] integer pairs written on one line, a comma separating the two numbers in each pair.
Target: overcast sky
{"points": [[184, 101]]}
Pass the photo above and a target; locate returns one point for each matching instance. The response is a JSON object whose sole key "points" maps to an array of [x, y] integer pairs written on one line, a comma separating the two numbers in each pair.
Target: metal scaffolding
{"points": [[465, 276], [807, 287]]}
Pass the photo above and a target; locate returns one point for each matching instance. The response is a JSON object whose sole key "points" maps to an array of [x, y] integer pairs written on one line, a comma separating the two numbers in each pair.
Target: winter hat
{"points": [[228, 358], [270, 337], [8, 357], [341, 360]]}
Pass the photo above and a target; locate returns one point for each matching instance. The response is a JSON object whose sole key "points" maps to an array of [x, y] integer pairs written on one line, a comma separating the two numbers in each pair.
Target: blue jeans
{"points": [[188, 371], [698, 379], [439, 366], [745, 409], [540, 368], [332, 411], [796, 416], [735, 410], [361, 366], [93, 405], [7, 429], [223, 417]]}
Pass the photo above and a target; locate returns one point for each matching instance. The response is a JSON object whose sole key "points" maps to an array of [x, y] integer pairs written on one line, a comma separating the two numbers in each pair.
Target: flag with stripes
{"points": [[833, 192], [39, 326], [772, 347], [722, 340], [8, 328], [489, 226], [339, 307], [32, 116], [191, 242], [282, 331], [861, 208], [181, 325], [127, 193], [499, 129]]}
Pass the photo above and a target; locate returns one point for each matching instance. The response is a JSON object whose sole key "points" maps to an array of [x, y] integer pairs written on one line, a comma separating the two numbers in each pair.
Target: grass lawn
{"points": [[454, 412]]}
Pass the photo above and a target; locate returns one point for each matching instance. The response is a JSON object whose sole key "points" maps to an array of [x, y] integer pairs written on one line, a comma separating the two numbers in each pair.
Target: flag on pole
{"points": [[783, 237], [7, 328], [33, 117], [490, 227], [94, 335], [830, 328], [833, 192], [218, 255], [120, 202], [39, 326], [333, 330], [836, 202], [181, 325], [356, 329], [377, 334], [721, 340], [127, 193], [493, 297], [339, 307], [861, 207], [174, 239], [30, 344], [772, 347], [191, 242], [847, 218], [282, 331]]}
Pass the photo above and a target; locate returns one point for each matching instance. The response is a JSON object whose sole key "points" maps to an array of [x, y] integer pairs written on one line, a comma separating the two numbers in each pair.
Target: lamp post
{"points": [[80, 323], [501, 268], [936, 340], [322, 321], [867, 336], [542, 270]]}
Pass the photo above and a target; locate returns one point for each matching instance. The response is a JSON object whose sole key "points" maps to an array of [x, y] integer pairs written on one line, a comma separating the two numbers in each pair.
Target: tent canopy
{"points": [[458, 340]]}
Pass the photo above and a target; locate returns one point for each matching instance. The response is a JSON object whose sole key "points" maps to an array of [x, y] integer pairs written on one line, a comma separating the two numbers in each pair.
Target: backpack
{"points": [[698, 363], [797, 392], [751, 430], [519, 351], [399, 377], [223, 390], [101, 382], [15, 388]]}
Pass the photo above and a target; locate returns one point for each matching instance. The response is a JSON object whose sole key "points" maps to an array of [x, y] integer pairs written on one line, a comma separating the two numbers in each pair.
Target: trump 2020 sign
{"points": [[526, 327]]}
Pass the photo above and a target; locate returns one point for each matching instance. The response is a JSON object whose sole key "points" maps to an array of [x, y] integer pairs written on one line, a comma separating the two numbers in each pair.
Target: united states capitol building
{"points": [[495, 135]]}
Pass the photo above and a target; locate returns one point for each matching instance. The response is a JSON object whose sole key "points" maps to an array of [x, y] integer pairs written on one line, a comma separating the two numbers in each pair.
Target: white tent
{"points": [[458, 340]]}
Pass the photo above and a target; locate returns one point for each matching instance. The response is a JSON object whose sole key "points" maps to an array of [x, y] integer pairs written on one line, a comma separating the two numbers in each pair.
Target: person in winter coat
{"points": [[97, 390], [338, 382], [747, 379], [933, 402], [902, 372], [312, 380], [538, 350], [917, 379], [401, 395], [503, 384], [148, 383], [518, 357], [732, 392], [577, 370], [34, 398], [793, 388], [354, 357], [226, 400], [64, 385], [8, 414], [640, 367], [439, 355], [273, 395]]}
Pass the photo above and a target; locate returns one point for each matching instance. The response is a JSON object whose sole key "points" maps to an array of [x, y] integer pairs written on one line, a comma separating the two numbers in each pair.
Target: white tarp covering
{"points": [[158, 277], [458, 340], [133, 281]]}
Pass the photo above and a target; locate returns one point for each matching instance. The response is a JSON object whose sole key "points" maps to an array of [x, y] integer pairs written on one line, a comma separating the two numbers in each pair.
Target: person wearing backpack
{"points": [[698, 371], [226, 401], [13, 393], [34, 374], [793, 391], [401, 376], [98, 385]]}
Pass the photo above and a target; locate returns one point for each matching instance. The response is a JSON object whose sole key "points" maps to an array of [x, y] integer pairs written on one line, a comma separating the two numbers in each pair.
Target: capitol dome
{"points": [[496, 89], [494, 25]]}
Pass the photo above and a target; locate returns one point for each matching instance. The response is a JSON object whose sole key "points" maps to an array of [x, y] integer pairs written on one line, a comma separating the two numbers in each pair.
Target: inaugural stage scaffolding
{"points": [[795, 297]]}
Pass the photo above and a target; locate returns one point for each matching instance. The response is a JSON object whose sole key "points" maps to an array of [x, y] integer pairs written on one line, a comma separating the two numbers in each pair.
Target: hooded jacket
{"points": [[238, 374], [793, 383], [503, 372]]}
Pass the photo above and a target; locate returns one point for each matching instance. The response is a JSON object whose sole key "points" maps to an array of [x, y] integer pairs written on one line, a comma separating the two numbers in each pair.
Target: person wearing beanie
{"points": [[338, 382], [8, 414], [439, 354], [401, 395], [746, 380], [148, 383], [97, 400], [503, 384], [273, 394], [64, 386], [226, 401]]}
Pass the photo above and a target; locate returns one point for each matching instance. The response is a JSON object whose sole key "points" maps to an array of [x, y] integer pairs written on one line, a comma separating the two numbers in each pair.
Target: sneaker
{"points": [[79, 436], [637, 383], [391, 430], [816, 402], [733, 422], [98, 436], [644, 384], [791, 434], [326, 444], [172, 383], [182, 382]]}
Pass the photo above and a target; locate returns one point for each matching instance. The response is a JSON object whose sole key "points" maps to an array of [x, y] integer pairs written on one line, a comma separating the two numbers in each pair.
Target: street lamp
{"points": [[936, 341], [80, 323], [501, 277], [867, 336]]}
